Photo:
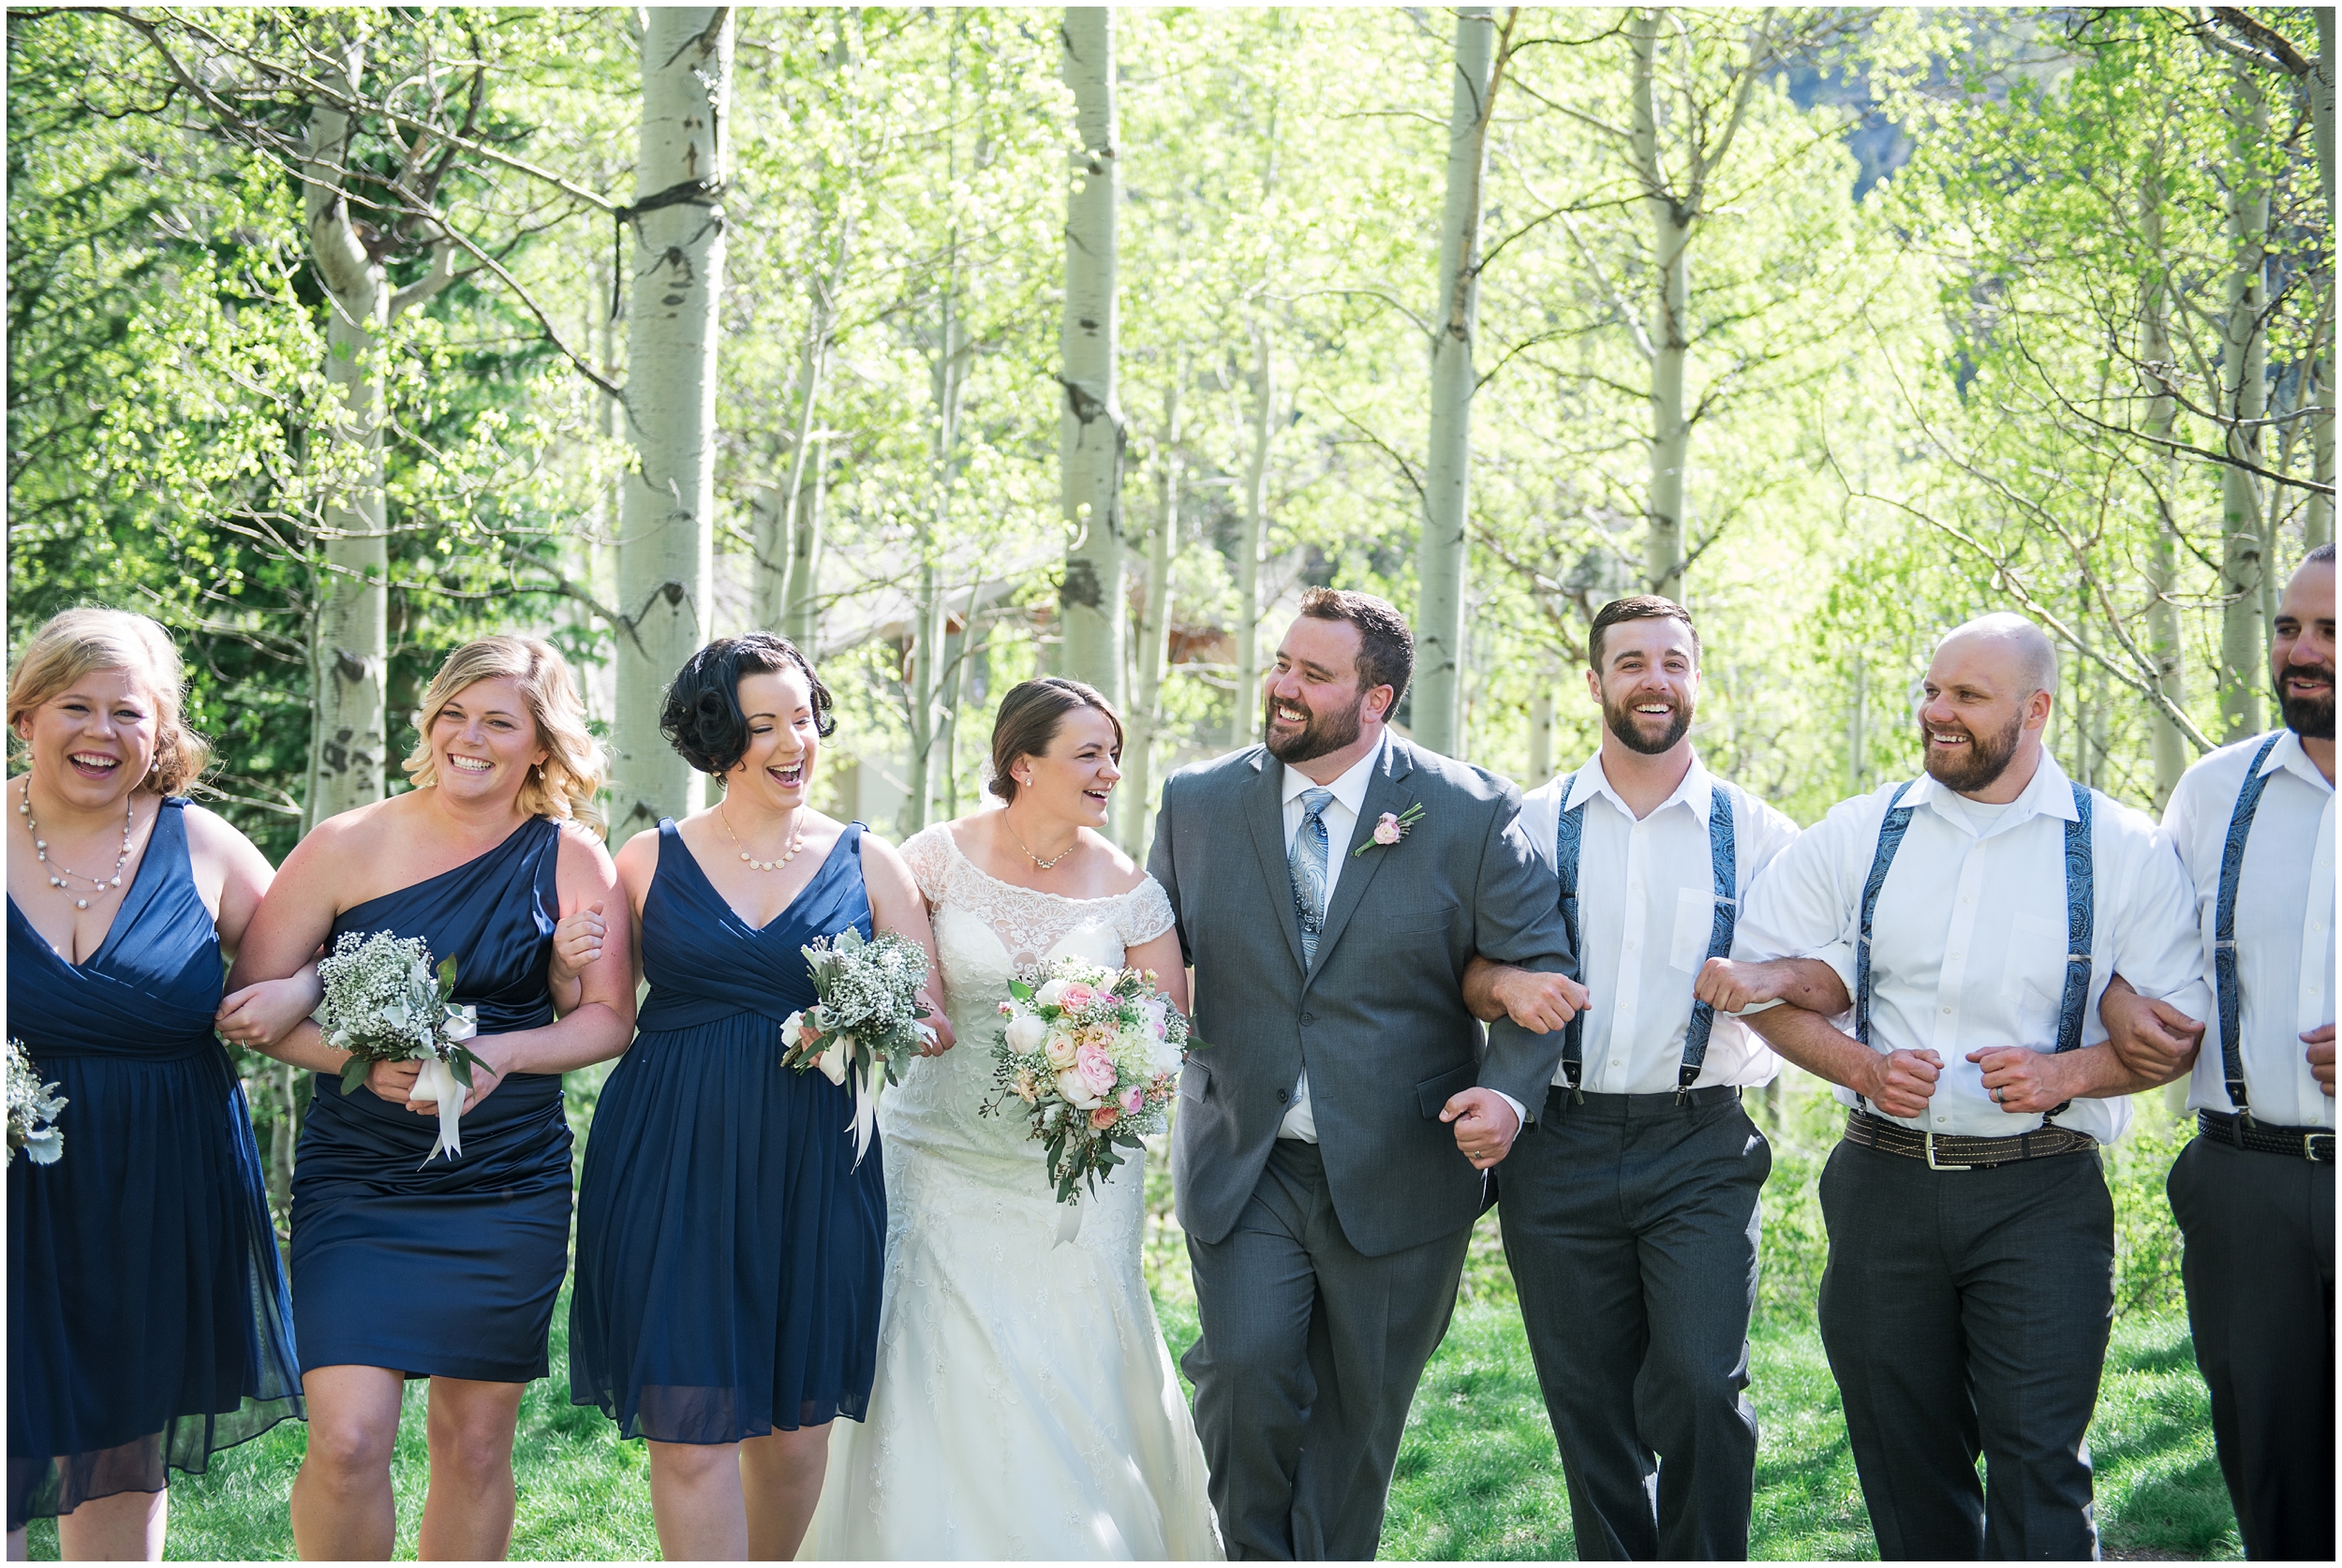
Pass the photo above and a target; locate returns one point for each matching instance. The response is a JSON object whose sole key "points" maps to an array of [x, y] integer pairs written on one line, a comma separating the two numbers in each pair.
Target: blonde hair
{"points": [[575, 765], [74, 642]]}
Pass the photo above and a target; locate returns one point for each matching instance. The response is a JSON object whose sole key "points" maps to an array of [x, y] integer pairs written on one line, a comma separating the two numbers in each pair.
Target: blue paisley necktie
{"points": [[1306, 864]]}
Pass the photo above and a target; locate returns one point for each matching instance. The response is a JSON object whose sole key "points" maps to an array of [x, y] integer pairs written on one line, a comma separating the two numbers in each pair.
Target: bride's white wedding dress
{"points": [[1025, 1404]]}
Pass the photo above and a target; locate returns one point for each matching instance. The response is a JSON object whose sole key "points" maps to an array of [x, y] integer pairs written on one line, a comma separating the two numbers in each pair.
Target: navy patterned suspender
{"points": [[1723, 860], [2080, 920], [2240, 828]]}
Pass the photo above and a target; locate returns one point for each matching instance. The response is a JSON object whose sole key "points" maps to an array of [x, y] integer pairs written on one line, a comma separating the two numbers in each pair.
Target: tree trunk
{"points": [[1437, 711], [929, 671], [2318, 528], [1541, 725], [1857, 722], [1670, 340], [777, 512], [666, 554], [2168, 748], [805, 569], [2244, 398], [1090, 429], [1245, 719], [1154, 636]]}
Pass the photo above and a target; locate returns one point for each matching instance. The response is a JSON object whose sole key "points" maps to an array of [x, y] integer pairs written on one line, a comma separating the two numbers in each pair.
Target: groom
{"points": [[1333, 1133]]}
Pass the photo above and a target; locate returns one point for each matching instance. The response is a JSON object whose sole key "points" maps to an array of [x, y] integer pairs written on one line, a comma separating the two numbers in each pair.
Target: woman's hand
{"points": [[577, 943], [936, 1027], [391, 1080], [261, 1014], [485, 1076]]}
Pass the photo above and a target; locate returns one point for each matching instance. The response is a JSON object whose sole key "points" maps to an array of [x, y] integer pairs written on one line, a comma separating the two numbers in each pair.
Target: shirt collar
{"points": [[1697, 790], [1350, 788], [2049, 794], [2289, 756]]}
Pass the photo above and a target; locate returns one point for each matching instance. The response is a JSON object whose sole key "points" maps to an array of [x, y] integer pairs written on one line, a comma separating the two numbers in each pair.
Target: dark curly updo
{"points": [[702, 719]]}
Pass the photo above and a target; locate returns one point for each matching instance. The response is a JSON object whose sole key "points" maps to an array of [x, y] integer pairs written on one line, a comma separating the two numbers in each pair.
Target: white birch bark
{"points": [[2169, 748], [2245, 399], [1090, 431], [1153, 637], [666, 548], [929, 671], [2317, 526], [803, 621], [349, 646], [1244, 721], [1437, 716]]}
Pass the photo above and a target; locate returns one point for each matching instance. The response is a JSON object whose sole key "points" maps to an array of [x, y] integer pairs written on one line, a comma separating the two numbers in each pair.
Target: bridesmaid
{"points": [[729, 1249], [147, 1320], [448, 1269]]}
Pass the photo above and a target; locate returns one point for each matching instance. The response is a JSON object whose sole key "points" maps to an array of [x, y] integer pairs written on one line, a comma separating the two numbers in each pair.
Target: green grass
{"points": [[1477, 1476]]}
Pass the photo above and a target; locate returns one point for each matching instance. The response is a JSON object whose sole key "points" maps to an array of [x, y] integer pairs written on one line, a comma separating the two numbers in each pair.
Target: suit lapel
{"points": [[1387, 792], [1264, 808]]}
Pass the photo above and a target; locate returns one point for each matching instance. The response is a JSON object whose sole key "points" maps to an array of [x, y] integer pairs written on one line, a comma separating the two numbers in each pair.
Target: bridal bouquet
{"points": [[32, 1108], [868, 1016], [384, 1002], [1094, 1054]]}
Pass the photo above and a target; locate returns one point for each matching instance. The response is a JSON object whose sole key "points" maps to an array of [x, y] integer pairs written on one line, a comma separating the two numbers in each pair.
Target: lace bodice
{"points": [[1029, 923]]}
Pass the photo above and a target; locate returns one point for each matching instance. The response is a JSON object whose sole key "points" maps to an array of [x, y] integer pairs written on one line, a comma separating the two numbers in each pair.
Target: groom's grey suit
{"points": [[1326, 1272]]}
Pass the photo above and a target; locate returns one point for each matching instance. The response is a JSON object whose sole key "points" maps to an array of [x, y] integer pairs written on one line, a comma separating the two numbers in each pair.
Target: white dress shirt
{"points": [[2284, 924], [1645, 905], [1341, 817], [1968, 938]]}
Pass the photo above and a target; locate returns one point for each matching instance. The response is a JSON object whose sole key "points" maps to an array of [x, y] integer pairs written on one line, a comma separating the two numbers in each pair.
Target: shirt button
{"points": [[1946, 1012], [1940, 1121]]}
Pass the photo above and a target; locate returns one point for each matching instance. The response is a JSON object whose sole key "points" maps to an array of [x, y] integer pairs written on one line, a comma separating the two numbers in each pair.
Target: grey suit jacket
{"points": [[1380, 1019]]}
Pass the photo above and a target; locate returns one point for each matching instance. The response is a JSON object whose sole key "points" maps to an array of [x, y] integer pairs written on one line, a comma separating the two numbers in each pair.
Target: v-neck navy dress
{"points": [[448, 1268], [730, 1254], [147, 1319]]}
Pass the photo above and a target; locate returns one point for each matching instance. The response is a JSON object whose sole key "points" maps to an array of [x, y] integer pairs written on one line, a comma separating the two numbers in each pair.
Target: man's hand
{"points": [[2023, 1082], [1901, 1082], [2321, 1043], [2152, 1038], [1538, 1001], [1729, 986], [1485, 1125]]}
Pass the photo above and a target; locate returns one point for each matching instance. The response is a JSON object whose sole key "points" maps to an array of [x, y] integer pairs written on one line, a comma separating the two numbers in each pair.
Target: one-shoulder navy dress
{"points": [[448, 1268], [147, 1319], [730, 1254]]}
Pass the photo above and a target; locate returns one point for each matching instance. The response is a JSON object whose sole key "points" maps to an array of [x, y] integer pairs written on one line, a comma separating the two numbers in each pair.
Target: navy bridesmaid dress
{"points": [[147, 1319], [448, 1268], [730, 1254]]}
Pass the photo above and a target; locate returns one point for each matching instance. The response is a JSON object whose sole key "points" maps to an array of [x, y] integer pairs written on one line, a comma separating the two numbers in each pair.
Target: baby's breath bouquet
{"points": [[32, 1108], [385, 1002], [868, 1016]]}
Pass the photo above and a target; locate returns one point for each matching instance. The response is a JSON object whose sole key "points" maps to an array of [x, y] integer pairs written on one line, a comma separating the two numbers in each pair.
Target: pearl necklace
{"points": [[57, 877], [796, 842]]}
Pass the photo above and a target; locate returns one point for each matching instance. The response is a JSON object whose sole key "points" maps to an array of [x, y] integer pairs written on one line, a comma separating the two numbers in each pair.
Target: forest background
{"points": [[963, 344]]}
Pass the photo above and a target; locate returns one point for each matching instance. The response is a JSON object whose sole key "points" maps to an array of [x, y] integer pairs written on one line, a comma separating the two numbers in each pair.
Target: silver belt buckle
{"points": [[1930, 1137]]}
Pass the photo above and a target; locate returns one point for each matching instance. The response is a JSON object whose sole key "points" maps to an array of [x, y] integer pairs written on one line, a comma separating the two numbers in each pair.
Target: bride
{"points": [[1025, 1405]]}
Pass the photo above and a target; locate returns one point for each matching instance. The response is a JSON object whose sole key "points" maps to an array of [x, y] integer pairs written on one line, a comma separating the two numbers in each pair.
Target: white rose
{"points": [[1026, 1033], [462, 1022], [1076, 1091], [1061, 1049], [833, 1062], [1050, 995], [1165, 1057], [793, 1030]]}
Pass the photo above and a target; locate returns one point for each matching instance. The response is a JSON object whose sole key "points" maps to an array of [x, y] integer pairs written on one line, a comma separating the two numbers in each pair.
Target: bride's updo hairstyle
{"points": [[73, 642], [703, 718], [1029, 717], [575, 766]]}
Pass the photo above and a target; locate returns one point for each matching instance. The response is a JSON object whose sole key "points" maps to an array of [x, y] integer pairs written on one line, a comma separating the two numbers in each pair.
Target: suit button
{"points": [[1308, 1019], [1283, 1095]]}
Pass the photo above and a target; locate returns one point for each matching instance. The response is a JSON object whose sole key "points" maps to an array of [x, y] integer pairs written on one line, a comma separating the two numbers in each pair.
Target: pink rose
{"points": [[1104, 1118], [1096, 1067], [1008, 1010], [1133, 1100], [1387, 830], [1076, 995]]}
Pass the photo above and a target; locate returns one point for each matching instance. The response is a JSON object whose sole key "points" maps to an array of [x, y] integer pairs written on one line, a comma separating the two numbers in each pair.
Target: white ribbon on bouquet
{"points": [[437, 1084], [833, 1063]]}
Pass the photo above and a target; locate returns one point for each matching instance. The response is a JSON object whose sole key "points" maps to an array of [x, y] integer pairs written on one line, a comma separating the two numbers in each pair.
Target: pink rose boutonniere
{"points": [[1391, 828]]}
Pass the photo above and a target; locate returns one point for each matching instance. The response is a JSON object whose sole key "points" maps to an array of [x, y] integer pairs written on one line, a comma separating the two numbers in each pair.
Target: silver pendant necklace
{"points": [[58, 871]]}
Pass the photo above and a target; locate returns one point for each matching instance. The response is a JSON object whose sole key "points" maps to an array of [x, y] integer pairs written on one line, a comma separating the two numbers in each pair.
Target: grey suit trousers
{"points": [[1631, 1225], [1966, 1312], [1309, 1358]]}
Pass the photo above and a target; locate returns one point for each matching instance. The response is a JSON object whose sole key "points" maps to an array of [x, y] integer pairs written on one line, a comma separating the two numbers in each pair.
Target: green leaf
{"points": [[354, 1073], [1021, 991], [447, 977]]}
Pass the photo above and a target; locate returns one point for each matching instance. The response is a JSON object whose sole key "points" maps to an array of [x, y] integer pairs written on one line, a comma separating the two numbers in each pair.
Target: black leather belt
{"points": [[1946, 1152], [2313, 1143]]}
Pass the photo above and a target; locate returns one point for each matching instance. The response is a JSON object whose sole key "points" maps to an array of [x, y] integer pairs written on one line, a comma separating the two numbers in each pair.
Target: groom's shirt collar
{"points": [[1350, 788]]}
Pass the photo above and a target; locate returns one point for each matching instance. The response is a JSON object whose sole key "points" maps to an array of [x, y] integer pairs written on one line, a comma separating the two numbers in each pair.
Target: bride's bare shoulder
{"points": [[1117, 873]]}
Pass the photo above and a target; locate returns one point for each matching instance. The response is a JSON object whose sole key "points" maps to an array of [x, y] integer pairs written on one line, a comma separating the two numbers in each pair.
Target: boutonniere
{"points": [[1391, 828]]}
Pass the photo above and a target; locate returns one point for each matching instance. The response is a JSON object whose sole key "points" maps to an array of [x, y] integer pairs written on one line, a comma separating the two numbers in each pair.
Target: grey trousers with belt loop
{"points": [[1966, 1312], [1631, 1224]]}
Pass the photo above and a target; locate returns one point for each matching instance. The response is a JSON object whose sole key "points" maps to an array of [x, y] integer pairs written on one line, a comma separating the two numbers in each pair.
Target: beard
{"points": [[1986, 760], [1626, 724], [2310, 717], [1322, 734]]}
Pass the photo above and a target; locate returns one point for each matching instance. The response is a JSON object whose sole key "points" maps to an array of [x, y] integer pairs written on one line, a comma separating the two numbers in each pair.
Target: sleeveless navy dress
{"points": [[450, 1268], [147, 1319], [730, 1255]]}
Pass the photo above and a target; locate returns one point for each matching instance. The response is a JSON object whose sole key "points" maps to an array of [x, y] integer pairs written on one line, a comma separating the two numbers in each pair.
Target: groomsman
{"points": [[1630, 1204], [2254, 1192], [1975, 915]]}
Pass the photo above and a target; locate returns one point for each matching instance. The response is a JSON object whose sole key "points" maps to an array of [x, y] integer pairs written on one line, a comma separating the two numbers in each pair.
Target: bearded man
{"points": [[1975, 916], [1330, 886], [1630, 1208]]}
